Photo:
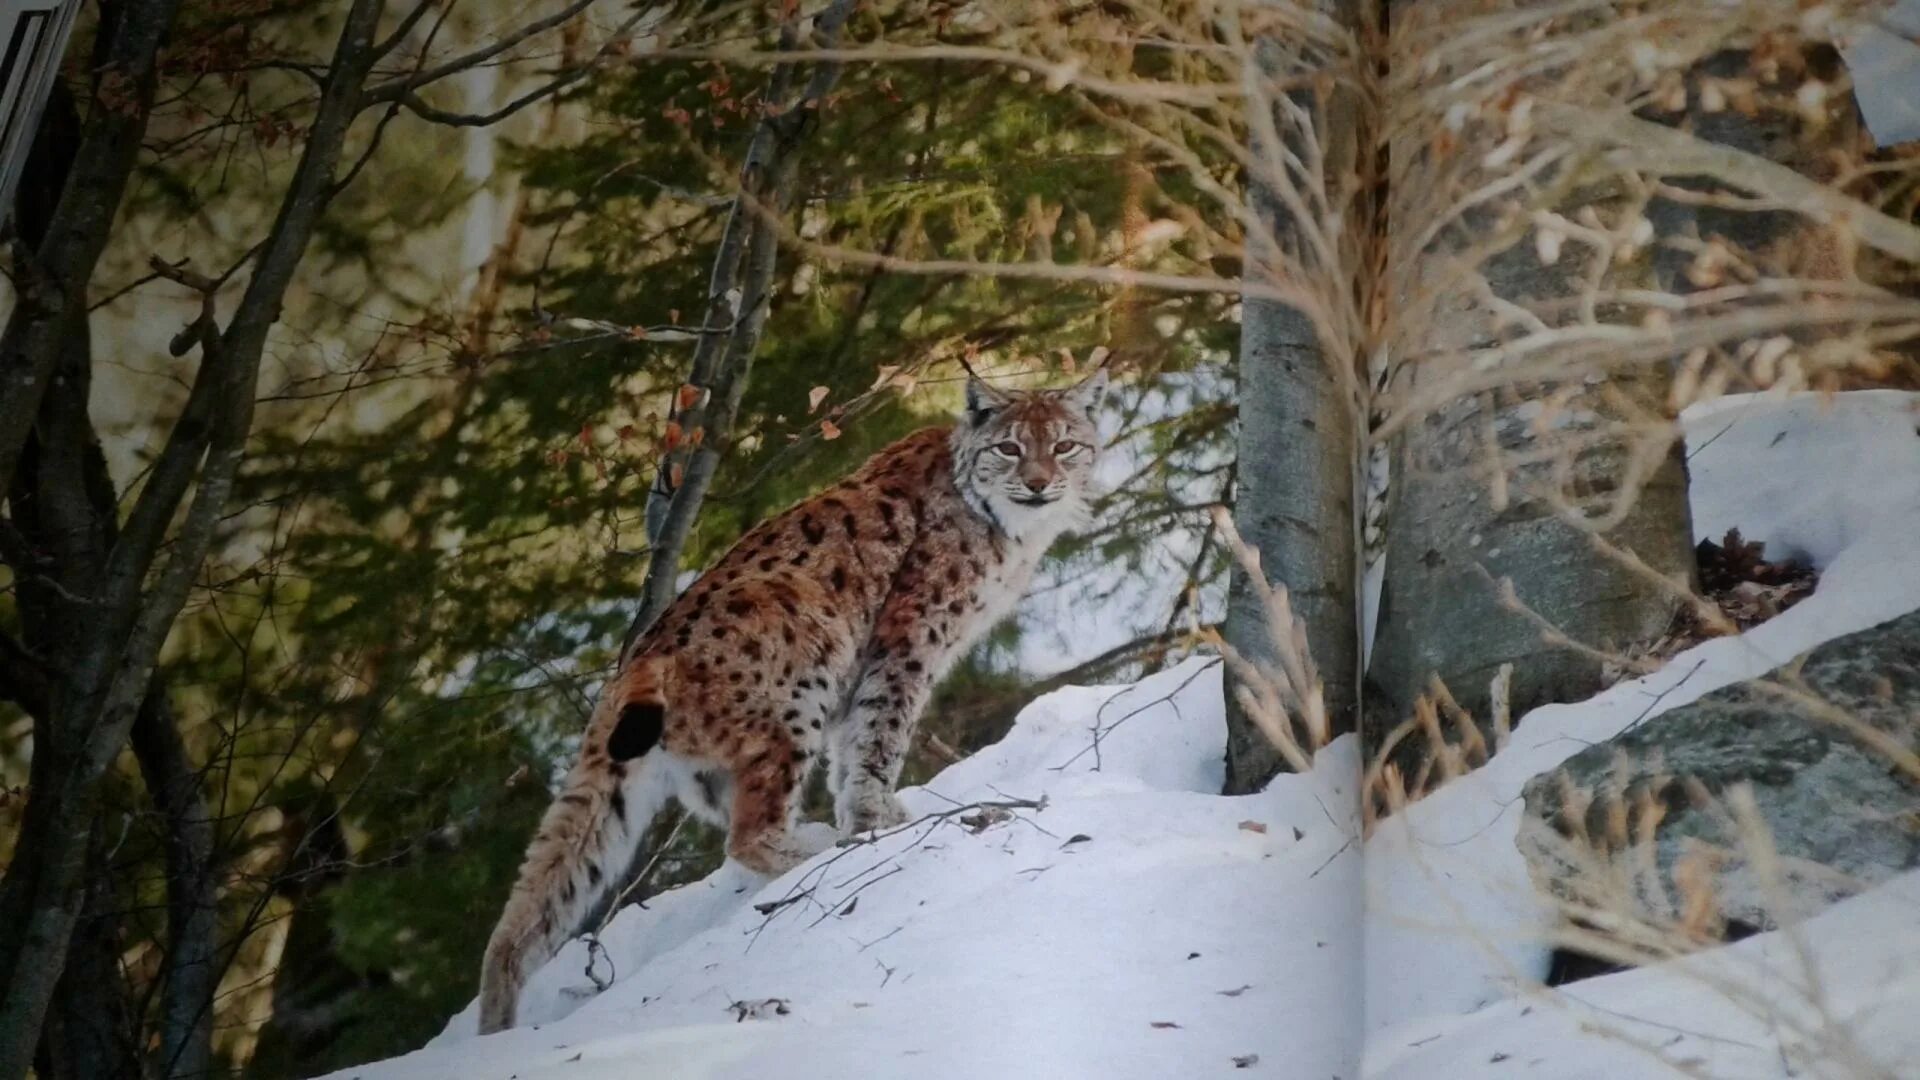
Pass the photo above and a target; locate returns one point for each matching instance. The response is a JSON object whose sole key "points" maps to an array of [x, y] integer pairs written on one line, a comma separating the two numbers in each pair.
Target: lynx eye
{"points": [[1009, 448], [1065, 447]]}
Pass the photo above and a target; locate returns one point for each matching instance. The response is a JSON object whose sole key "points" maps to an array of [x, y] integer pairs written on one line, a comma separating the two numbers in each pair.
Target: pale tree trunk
{"points": [[1299, 417], [1449, 539], [1449, 544], [1463, 517]]}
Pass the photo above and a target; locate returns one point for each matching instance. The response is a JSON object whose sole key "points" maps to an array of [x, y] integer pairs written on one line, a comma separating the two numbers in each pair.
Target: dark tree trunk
{"points": [[737, 296], [111, 614], [91, 1032], [191, 970], [53, 301], [1298, 466]]}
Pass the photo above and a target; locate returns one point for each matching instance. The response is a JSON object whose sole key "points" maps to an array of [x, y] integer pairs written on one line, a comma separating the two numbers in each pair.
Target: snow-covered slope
{"points": [[1453, 925], [1137, 926], [1141, 926]]}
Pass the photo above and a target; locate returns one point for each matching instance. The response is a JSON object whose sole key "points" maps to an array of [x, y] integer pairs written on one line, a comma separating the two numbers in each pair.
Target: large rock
{"points": [[1840, 812]]}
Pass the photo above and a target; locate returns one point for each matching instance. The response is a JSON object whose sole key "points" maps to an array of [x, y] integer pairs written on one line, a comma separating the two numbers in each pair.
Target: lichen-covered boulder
{"points": [[1826, 747]]}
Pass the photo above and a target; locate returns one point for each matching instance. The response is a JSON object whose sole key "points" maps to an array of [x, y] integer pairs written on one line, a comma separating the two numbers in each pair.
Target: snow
{"points": [[1454, 928], [1835, 997], [1138, 925]]}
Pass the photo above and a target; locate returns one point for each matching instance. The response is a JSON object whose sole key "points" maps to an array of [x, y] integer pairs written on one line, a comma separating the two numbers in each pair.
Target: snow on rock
{"points": [[1137, 926], [1835, 997], [1453, 924]]}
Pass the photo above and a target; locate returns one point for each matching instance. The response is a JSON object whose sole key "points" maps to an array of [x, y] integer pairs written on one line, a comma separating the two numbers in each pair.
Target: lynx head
{"points": [[1024, 459]]}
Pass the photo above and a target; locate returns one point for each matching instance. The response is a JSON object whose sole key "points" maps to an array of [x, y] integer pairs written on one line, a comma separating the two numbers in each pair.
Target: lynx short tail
{"points": [[585, 842]]}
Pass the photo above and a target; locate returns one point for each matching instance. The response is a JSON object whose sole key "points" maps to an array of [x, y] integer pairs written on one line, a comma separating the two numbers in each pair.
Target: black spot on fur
{"points": [[811, 529], [618, 804], [639, 729]]}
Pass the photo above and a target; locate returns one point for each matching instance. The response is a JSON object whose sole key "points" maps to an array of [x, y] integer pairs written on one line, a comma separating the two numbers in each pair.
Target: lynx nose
{"points": [[1035, 484]]}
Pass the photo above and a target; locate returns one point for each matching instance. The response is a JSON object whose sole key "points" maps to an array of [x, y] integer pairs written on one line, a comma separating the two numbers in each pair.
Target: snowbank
{"points": [[1137, 926], [1453, 925], [1838, 993]]}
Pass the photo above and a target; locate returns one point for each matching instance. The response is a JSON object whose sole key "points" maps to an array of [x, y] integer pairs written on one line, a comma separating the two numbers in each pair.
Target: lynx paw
{"points": [[775, 855], [814, 837], [877, 811]]}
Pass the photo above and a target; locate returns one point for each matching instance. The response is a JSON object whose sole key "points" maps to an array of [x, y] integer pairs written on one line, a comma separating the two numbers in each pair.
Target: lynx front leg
{"points": [[871, 743]]}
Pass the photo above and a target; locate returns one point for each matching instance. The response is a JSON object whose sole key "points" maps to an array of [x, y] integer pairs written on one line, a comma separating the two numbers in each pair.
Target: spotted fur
{"points": [[820, 634]]}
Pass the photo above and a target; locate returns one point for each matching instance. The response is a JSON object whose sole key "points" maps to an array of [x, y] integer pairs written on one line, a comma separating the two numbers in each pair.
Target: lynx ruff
{"points": [[822, 631]]}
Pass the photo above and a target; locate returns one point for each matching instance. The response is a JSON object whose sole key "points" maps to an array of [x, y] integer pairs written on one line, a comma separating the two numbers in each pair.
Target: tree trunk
{"points": [[52, 304], [1299, 418], [92, 1031], [1450, 542], [1464, 514], [738, 295], [192, 971], [122, 617], [1449, 539]]}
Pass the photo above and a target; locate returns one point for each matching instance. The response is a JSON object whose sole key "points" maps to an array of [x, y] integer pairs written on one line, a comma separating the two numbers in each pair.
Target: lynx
{"points": [[821, 633]]}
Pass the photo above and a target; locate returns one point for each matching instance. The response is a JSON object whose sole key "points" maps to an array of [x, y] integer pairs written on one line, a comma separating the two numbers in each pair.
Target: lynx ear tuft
{"points": [[982, 401], [1087, 395]]}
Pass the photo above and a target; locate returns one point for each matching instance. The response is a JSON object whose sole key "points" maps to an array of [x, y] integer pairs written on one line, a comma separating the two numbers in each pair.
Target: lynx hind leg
{"points": [[765, 834]]}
